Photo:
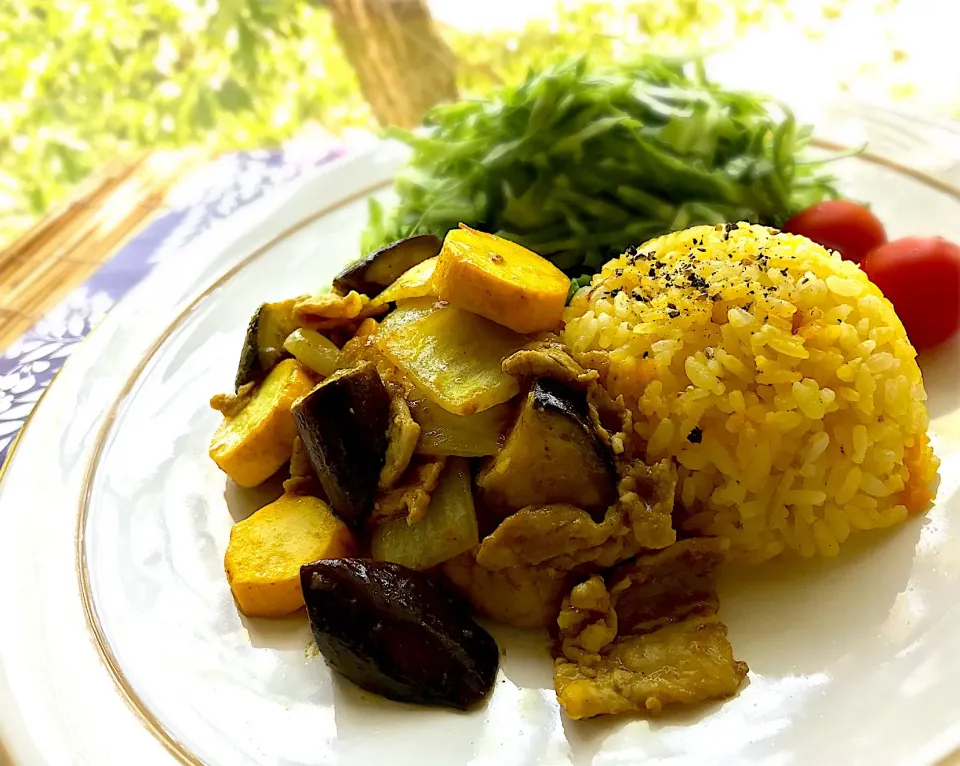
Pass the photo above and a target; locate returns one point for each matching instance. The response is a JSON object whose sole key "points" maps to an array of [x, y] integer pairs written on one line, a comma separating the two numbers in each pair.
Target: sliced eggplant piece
{"points": [[263, 348], [343, 423], [394, 632], [378, 270], [448, 529], [551, 455]]}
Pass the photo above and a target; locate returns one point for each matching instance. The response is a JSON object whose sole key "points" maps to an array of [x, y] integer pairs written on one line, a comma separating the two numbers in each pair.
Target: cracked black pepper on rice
{"points": [[774, 373]]}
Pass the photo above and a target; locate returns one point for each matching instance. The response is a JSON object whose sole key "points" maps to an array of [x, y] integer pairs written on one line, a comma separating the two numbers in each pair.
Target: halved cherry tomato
{"points": [[921, 278], [840, 225]]}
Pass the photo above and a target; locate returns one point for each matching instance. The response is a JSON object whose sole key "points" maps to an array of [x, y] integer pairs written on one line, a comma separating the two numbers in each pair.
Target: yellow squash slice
{"points": [[266, 552], [250, 446], [501, 281], [413, 283]]}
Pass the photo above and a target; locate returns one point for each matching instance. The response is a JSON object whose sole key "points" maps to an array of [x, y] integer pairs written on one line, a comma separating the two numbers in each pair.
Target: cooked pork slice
{"points": [[646, 637], [668, 586], [688, 662], [548, 359], [526, 597], [402, 439], [564, 537], [410, 498]]}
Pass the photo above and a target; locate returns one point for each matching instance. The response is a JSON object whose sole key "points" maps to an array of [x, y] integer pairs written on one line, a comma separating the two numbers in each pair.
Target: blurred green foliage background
{"points": [[84, 82]]}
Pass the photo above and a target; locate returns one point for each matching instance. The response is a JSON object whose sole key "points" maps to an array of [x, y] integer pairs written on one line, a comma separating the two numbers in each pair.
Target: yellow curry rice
{"points": [[775, 374]]}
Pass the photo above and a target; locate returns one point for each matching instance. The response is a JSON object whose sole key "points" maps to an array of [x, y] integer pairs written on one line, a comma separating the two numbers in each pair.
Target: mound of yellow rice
{"points": [[776, 375]]}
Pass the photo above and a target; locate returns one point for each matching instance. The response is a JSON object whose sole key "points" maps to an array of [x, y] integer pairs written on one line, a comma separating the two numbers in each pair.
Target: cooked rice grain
{"points": [[775, 374]]}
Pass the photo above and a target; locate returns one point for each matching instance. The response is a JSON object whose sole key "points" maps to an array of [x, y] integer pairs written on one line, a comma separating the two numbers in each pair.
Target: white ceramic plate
{"points": [[120, 643]]}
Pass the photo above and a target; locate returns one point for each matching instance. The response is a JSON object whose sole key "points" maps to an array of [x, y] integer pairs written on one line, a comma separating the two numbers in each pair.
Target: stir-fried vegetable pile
{"points": [[446, 452], [577, 163]]}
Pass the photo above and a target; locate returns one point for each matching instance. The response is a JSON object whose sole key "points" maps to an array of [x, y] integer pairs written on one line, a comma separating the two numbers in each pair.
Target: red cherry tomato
{"points": [[840, 225], [921, 278]]}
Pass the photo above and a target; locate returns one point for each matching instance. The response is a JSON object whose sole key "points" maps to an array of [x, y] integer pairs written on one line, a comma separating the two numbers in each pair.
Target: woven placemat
{"points": [[75, 238]]}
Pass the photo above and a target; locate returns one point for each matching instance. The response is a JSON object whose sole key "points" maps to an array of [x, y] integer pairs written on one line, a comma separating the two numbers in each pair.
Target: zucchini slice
{"points": [[266, 551], [263, 348], [374, 272]]}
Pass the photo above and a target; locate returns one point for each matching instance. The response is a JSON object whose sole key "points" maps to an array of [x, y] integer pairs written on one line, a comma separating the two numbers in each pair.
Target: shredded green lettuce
{"points": [[577, 162], [576, 283]]}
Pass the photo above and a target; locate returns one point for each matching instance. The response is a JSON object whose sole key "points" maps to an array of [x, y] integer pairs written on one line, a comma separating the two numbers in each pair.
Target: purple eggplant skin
{"points": [[343, 424], [391, 630], [378, 270], [551, 397]]}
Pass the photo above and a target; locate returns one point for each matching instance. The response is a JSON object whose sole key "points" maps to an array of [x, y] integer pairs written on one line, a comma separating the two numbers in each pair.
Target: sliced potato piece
{"points": [[266, 552], [414, 283], [253, 444], [454, 356], [448, 529], [551, 455], [313, 350], [500, 280], [374, 272], [442, 433]]}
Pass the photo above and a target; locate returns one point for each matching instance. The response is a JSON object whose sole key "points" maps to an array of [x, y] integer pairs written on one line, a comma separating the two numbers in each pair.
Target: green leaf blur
{"points": [[85, 82]]}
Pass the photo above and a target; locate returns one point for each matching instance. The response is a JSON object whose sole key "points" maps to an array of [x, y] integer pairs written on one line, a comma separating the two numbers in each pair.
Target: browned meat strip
{"points": [[688, 662], [526, 597], [402, 439], [548, 359], [411, 497], [647, 637], [564, 537], [668, 586]]}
